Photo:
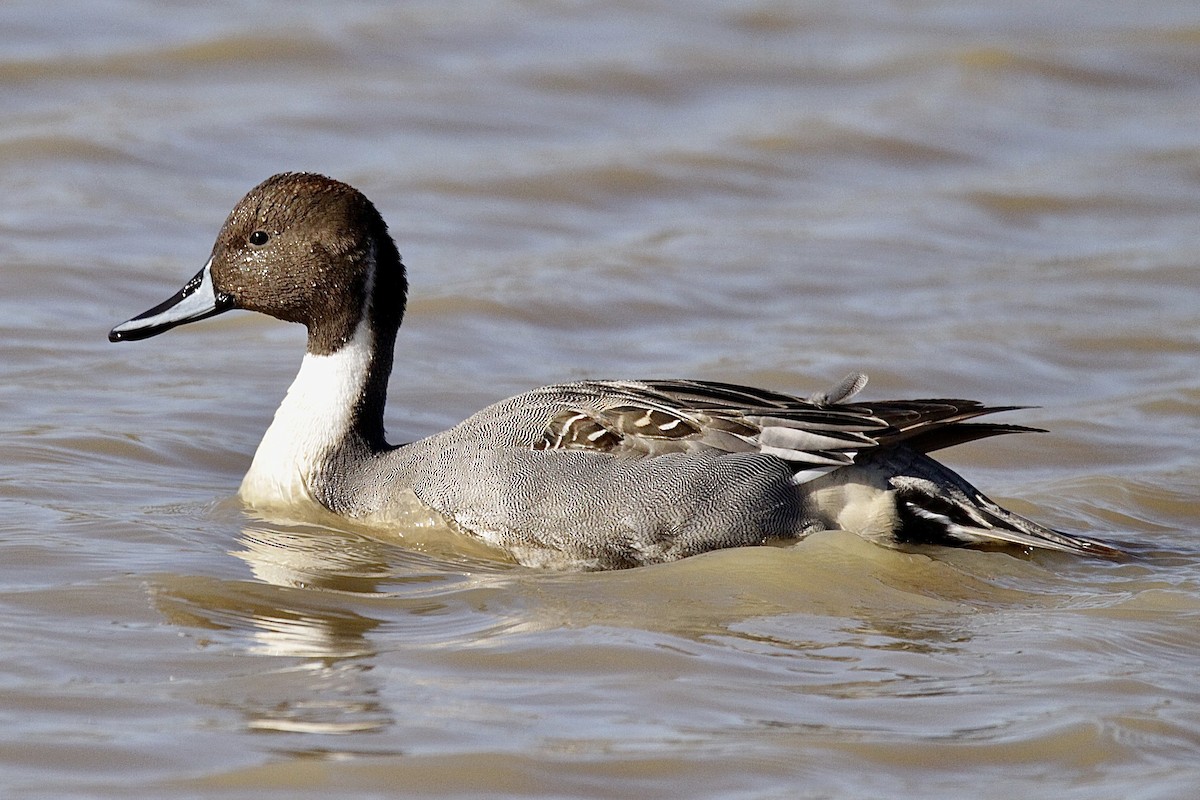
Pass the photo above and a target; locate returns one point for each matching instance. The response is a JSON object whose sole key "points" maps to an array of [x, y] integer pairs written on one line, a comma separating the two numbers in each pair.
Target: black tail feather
{"points": [[933, 514]]}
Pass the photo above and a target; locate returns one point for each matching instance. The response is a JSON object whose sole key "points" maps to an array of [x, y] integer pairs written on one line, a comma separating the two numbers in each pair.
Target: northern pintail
{"points": [[594, 474]]}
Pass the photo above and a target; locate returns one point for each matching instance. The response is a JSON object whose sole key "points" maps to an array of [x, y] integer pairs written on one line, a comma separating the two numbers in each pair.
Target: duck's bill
{"points": [[198, 299]]}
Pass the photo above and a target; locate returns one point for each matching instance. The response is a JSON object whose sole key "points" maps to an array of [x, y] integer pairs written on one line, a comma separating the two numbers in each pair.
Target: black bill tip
{"points": [[195, 301]]}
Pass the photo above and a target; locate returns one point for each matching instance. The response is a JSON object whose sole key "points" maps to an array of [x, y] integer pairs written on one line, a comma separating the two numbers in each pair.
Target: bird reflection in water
{"points": [[308, 611]]}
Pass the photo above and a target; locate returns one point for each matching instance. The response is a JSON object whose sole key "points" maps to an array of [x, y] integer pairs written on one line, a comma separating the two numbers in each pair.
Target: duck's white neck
{"points": [[314, 421]]}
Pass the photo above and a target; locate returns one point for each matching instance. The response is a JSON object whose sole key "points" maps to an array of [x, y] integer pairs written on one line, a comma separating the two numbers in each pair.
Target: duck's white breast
{"points": [[313, 420]]}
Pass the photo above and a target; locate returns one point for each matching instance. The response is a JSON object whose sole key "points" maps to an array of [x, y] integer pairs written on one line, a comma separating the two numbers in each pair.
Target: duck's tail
{"points": [[943, 512]]}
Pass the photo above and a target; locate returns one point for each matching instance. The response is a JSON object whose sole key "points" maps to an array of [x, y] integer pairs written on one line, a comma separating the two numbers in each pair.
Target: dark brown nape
{"points": [[386, 309]]}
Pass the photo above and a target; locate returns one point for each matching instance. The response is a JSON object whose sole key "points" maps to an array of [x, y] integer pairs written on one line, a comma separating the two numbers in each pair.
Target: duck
{"points": [[591, 474]]}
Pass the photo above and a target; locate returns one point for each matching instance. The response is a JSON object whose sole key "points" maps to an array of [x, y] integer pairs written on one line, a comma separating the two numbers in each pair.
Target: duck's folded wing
{"points": [[817, 434]]}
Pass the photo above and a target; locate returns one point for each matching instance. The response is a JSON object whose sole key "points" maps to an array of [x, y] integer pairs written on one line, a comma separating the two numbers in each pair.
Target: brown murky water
{"points": [[995, 200]]}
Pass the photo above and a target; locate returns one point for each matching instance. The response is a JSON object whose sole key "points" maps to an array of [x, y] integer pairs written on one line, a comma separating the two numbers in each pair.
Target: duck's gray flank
{"points": [[591, 474]]}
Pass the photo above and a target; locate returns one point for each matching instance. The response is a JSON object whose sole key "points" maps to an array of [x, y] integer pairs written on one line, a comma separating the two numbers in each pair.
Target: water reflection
{"points": [[319, 677], [299, 613], [300, 559], [315, 597]]}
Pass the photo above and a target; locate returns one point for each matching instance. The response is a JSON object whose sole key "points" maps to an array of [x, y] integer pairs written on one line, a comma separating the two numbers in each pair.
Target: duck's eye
{"points": [[259, 238]]}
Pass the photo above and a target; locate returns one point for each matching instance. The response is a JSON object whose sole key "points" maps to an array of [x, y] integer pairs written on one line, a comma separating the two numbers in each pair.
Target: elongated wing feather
{"points": [[817, 434]]}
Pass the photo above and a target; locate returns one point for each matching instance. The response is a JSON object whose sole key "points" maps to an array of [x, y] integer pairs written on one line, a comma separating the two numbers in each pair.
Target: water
{"points": [[994, 200]]}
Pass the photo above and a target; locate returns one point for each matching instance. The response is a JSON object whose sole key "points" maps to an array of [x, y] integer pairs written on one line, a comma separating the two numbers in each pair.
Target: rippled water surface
{"points": [[995, 200]]}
